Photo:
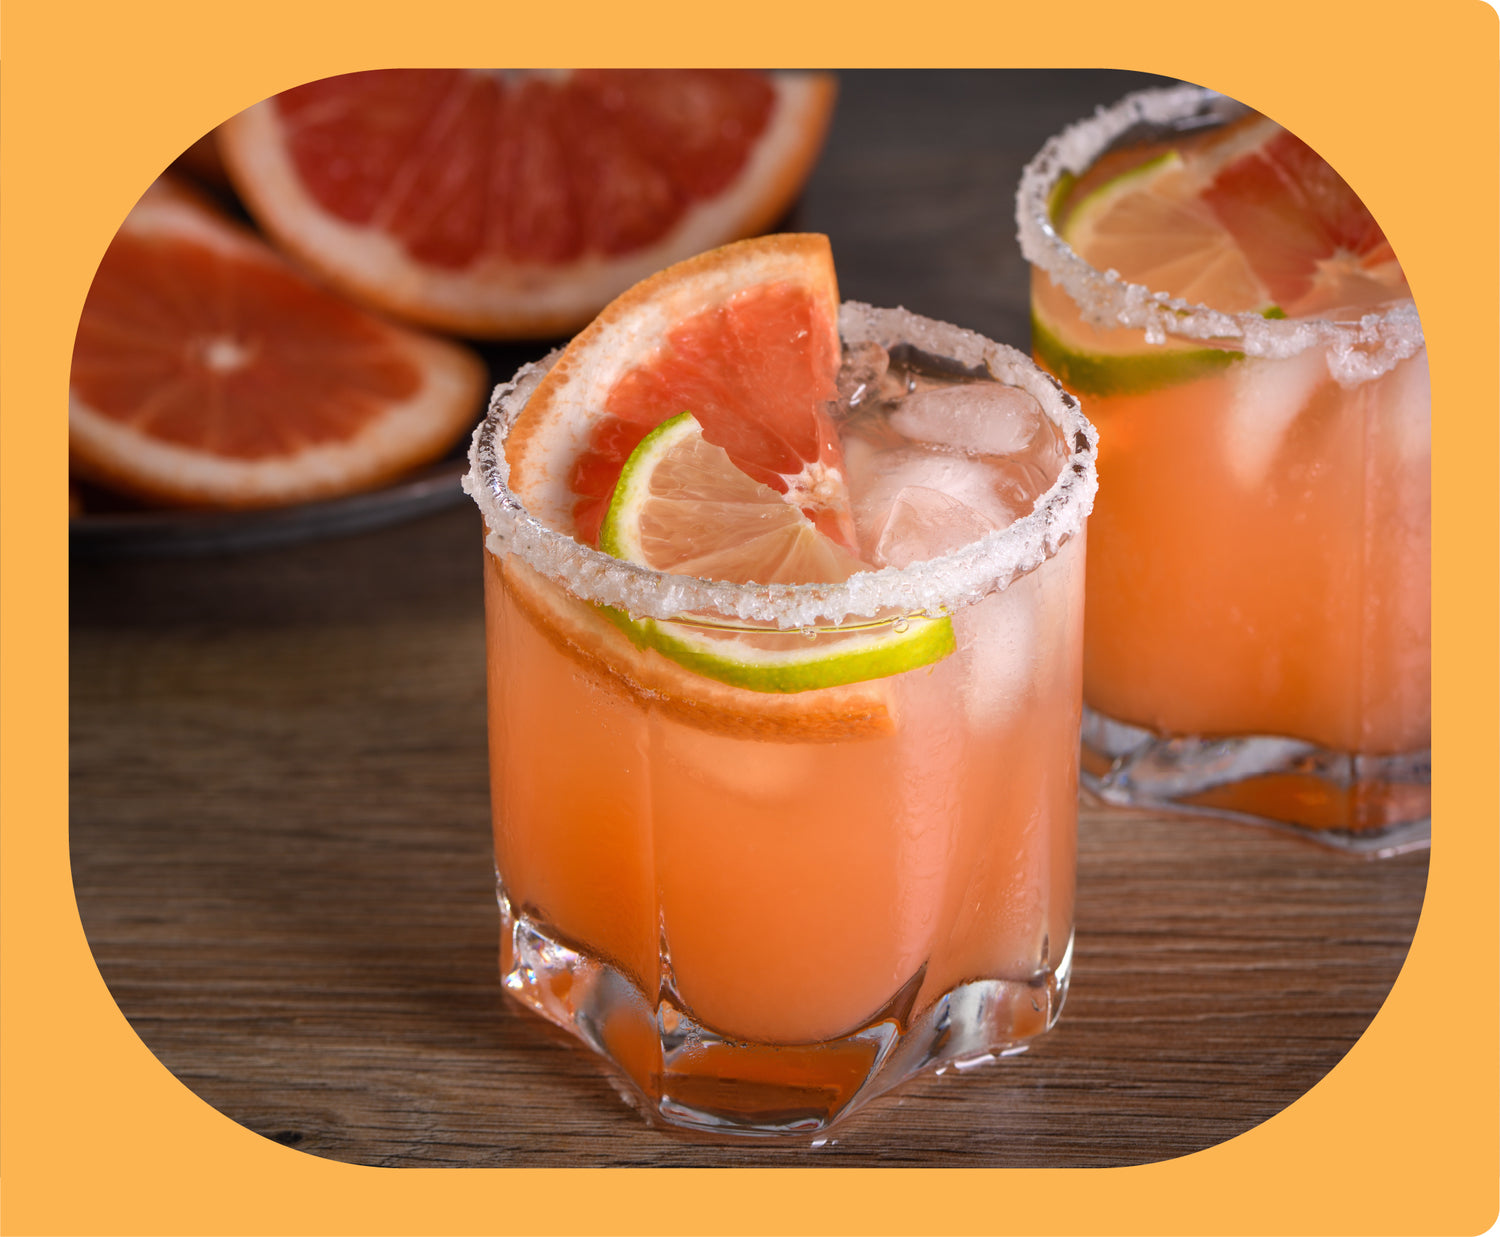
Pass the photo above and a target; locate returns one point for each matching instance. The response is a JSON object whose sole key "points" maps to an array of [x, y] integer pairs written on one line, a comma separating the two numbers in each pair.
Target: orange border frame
{"points": [[97, 1137]]}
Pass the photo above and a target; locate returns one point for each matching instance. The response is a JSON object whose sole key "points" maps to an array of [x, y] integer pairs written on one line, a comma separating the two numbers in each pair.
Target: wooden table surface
{"points": [[280, 833]]}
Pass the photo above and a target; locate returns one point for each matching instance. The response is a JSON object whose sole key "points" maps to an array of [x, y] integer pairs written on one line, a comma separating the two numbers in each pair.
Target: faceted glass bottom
{"points": [[681, 1073], [1370, 805]]}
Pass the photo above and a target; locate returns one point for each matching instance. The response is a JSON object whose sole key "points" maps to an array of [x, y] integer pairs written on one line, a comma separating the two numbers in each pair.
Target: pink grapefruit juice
{"points": [[1260, 552], [1288, 599], [765, 907], [799, 877]]}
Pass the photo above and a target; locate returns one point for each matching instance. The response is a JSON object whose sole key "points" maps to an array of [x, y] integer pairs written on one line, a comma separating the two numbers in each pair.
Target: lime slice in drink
{"points": [[1150, 225], [1090, 364], [681, 506]]}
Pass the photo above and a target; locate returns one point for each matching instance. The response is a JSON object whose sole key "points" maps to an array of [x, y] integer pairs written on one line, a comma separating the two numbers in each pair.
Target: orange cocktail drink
{"points": [[1258, 633], [771, 846]]}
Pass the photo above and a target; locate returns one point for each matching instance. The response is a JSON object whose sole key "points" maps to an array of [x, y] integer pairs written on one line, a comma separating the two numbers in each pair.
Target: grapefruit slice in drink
{"points": [[745, 338], [1248, 219], [517, 204], [208, 372]]}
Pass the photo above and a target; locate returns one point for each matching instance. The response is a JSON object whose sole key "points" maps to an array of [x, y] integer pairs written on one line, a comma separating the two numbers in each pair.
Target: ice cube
{"points": [[925, 524], [1265, 397], [1021, 479], [765, 773], [981, 418], [999, 637], [865, 377], [1405, 409], [877, 475]]}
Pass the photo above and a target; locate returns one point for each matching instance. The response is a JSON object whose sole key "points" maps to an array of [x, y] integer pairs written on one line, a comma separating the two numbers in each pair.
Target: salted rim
{"points": [[1357, 352], [933, 587]]}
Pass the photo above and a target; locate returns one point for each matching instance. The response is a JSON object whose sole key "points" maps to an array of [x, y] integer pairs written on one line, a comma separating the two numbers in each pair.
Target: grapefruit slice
{"points": [[1304, 231], [517, 204], [745, 336], [206, 371], [682, 506]]}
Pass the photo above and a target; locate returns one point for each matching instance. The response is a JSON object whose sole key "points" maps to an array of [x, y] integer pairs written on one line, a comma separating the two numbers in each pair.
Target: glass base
{"points": [[680, 1073], [1369, 805]]}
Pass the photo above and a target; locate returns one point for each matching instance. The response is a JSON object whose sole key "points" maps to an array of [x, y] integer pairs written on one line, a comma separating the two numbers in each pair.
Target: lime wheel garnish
{"points": [[1247, 220], [682, 506]]}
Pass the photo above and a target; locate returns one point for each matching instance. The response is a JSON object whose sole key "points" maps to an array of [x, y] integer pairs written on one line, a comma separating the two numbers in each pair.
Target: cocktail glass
{"points": [[1257, 638], [761, 908]]}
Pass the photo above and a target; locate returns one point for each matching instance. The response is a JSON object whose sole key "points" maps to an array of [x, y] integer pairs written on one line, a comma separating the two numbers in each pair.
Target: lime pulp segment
{"points": [[767, 661]]}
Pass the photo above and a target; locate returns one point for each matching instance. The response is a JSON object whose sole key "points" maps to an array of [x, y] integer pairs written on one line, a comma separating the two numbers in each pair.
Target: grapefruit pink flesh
{"points": [[758, 373], [456, 164], [208, 372], [228, 354], [1305, 232]]}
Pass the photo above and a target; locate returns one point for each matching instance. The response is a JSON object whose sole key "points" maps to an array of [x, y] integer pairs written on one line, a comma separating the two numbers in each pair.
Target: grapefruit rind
{"points": [[500, 298], [589, 634], [742, 658], [554, 427], [401, 437]]}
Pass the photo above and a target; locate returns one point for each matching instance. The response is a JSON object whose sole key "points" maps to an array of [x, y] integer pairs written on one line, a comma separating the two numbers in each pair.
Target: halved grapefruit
{"points": [[208, 372], [516, 204]]}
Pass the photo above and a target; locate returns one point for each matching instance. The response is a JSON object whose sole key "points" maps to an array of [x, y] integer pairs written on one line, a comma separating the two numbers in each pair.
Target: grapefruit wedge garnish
{"points": [[745, 337], [517, 204], [687, 429], [206, 371], [1303, 230]]}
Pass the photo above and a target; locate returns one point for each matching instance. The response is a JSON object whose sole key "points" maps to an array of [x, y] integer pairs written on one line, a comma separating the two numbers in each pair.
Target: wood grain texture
{"points": [[279, 815], [281, 853]]}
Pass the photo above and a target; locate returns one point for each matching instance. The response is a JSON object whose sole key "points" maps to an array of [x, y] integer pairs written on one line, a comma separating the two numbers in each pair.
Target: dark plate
{"points": [[119, 534]]}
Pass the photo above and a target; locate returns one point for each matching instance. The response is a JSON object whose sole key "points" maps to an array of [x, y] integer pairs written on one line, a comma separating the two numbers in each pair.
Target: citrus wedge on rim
{"points": [[1245, 219], [745, 336], [207, 371], [514, 203], [682, 506]]}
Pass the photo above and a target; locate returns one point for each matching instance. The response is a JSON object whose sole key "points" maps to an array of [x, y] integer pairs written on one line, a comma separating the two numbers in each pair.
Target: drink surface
{"points": [[1260, 553]]}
